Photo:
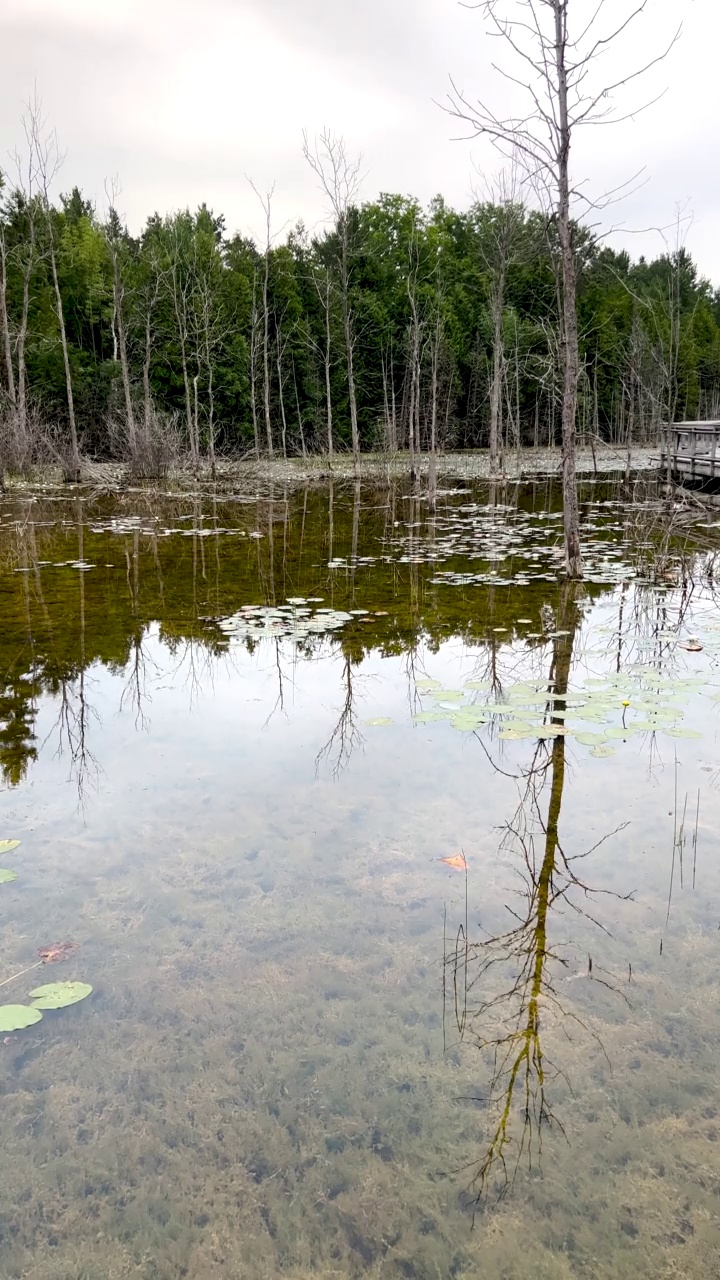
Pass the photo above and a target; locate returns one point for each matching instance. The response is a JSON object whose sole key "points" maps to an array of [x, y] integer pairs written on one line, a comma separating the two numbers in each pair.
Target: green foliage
{"points": [[58, 995], [13, 1017], [187, 301]]}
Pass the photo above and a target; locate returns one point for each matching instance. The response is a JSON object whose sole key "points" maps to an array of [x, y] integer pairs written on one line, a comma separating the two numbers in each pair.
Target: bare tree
{"points": [[45, 152], [554, 67], [4, 318], [340, 178], [113, 236], [266, 204], [180, 288], [501, 223]]}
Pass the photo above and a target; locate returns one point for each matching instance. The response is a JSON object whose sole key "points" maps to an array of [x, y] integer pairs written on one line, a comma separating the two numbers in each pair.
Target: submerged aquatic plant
{"points": [[53, 995]]}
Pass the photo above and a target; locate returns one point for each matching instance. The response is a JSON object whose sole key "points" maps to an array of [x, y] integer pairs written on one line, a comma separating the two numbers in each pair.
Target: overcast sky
{"points": [[183, 98]]}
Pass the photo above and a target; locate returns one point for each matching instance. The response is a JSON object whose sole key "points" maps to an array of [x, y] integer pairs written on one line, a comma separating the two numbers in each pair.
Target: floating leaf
{"points": [[429, 717], [7, 876], [58, 995], [692, 646], [378, 721], [427, 683], [458, 861], [7, 846], [682, 733], [15, 1016], [57, 951], [449, 695], [590, 739], [602, 751]]}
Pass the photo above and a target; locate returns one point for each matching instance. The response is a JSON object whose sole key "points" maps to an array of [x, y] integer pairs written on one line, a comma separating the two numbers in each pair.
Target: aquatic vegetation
{"points": [[58, 995], [294, 621], [15, 1017], [265, 1088], [7, 876], [7, 846], [57, 951]]}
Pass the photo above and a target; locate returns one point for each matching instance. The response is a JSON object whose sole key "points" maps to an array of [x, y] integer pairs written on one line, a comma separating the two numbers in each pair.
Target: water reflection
{"points": [[255, 877], [505, 986]]}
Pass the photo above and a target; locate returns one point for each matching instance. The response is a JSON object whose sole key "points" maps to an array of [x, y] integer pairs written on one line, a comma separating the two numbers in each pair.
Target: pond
{"points": [[392, 863]]}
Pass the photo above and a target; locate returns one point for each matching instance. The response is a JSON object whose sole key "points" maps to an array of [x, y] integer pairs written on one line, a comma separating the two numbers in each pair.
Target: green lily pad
{"points": [[378, 721], [590, 739], [602, 751], [13, 1017], [7, 846], [682, 733], [7, 876], [449, 695], [430, 717], [57, 995], [427, 683]]}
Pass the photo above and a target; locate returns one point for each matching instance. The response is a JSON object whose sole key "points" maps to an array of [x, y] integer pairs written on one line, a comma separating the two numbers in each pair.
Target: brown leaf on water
{"points": [[458, 860], [57, 951]]}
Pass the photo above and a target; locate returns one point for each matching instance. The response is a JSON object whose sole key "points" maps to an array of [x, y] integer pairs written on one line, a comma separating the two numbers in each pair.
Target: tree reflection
{"points": [[346, 735], [505, 986]]}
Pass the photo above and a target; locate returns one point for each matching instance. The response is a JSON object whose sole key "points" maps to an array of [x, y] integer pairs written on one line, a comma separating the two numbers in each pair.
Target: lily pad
{"points": [[7, 846], [57, 995], [430, 717], [602, 751], [13, 1017], [682, 733], [7, 876], [378, 721], [449, 695]]}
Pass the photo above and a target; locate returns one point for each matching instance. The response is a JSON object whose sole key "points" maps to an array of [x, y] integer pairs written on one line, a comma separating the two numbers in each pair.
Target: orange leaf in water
{"points": [[458, 861], [57, 951]]}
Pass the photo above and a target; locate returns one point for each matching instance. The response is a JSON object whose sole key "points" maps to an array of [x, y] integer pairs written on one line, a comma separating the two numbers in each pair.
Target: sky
{"points": [[185, 100]]}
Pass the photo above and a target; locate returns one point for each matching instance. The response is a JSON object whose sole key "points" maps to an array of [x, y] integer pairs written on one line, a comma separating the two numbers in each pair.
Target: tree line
{"points": [[393, 327]]}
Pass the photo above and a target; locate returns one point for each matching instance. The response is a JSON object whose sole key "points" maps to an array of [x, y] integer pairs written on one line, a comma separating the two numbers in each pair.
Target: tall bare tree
{"points": [[501, 223], [265, 199], [43, 146], [340, 179], [555, 66], [113, 236]]}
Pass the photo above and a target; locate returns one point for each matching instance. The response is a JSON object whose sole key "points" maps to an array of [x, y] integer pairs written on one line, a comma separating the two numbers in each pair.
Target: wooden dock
{"points": [[694, 452]]}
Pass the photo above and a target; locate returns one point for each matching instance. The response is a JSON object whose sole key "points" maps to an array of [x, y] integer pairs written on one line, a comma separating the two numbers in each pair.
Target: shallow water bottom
{"points": [[269, 1077]]}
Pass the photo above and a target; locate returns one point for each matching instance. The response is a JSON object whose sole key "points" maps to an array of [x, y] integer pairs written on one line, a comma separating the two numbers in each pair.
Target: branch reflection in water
{"points": [[503, 989]]}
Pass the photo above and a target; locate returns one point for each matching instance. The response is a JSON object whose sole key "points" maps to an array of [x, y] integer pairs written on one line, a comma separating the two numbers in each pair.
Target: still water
{"points": [[238, 737]]}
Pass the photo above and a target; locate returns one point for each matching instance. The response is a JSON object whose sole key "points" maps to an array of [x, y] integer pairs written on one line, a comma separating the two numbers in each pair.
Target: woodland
{"points": [[391, 327]]}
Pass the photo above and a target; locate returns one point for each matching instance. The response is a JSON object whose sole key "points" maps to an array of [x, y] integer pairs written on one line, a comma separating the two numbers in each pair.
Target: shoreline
{"points": [[296, 472]]}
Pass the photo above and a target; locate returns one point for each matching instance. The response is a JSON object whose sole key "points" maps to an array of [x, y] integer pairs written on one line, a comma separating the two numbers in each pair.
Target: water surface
{"points": [[238, 736]]}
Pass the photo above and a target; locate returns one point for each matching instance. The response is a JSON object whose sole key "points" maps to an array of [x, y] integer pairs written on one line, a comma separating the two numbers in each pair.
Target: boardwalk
{"points": [[694, 452]]}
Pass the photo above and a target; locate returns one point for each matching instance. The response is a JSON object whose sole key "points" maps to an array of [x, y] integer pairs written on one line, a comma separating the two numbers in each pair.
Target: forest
{"points": [[392, 327]]}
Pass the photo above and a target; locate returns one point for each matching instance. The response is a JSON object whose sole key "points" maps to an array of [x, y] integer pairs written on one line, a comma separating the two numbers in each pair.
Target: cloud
{"points": [[183, 99]]}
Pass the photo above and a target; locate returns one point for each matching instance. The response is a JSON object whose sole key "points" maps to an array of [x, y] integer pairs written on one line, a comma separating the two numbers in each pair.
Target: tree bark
{"points": [[74, 469], [5, 322], [498, 304], [569, 331], [118, 298]]}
